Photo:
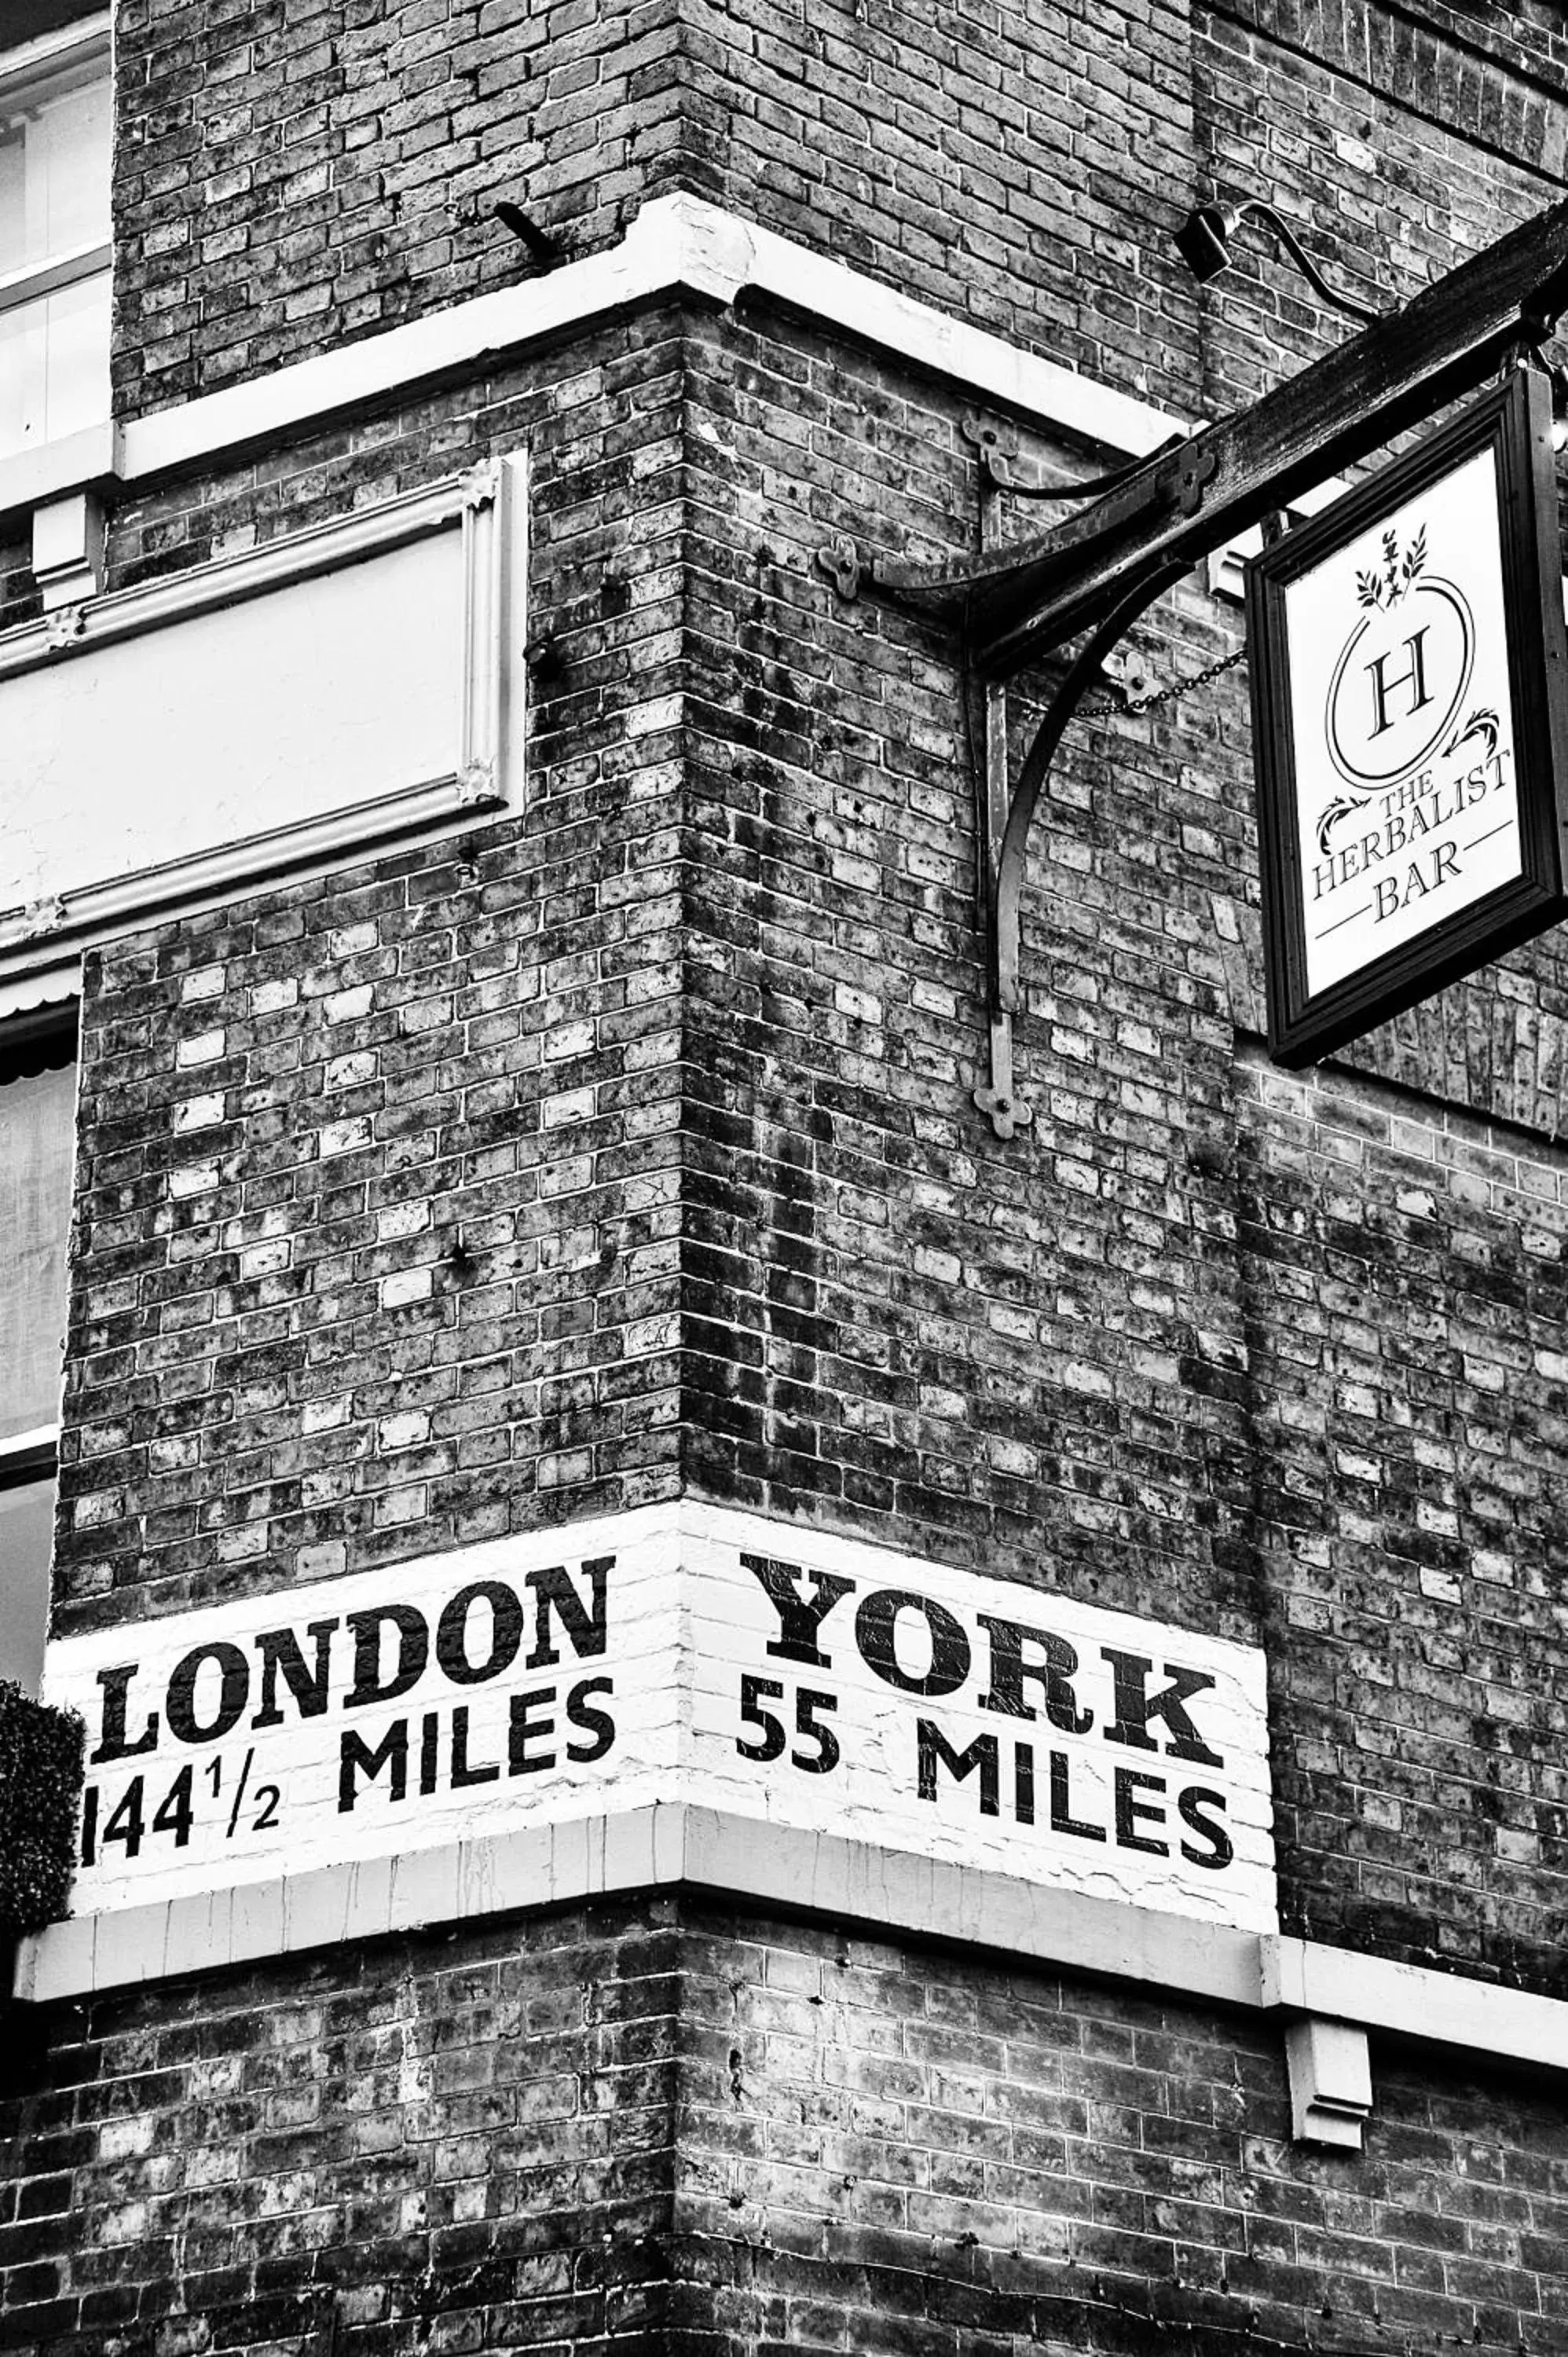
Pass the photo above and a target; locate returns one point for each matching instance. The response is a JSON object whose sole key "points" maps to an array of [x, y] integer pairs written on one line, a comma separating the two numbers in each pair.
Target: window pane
{"points": [[27, 1527], [54, 365], [54, 170], [37, 1128]]}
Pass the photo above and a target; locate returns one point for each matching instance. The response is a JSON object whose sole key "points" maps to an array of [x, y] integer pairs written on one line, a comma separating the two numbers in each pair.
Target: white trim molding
{"points": [[1328, 2065], [677, 245], [660, 1847], [1443, 2008], [675, 1845], [80, 44]]}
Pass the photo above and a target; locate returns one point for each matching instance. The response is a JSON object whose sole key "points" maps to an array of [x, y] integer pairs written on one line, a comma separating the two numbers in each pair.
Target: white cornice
{"points": [[82, 43], [679, 1845], [677, 245]]}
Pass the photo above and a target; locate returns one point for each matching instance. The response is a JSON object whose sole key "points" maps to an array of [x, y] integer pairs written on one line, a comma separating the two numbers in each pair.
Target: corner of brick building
{"points": [[622, 1149]]}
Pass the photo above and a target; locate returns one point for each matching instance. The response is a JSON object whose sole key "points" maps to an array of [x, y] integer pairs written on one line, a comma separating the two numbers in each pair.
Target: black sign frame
{"points": [[1515, 422]]}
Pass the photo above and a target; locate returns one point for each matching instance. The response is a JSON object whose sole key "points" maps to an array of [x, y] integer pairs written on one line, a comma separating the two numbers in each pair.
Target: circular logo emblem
{"points": [[1400, 681]]}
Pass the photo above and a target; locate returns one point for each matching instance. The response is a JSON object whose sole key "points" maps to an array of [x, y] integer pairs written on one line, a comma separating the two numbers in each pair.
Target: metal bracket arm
{"points": [[1019, 599], [1098, 570], [1006, 858]]}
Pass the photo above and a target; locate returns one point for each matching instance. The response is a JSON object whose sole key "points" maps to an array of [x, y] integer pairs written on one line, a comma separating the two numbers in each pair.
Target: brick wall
{"points": [[628, 1145], [666, 2127], [292, 170], [1182, 1349], [295, 172], [377, 1193], [1203, 1340], [447, 2139], [1407, 1442], [1397, 149], [886, 2150]]}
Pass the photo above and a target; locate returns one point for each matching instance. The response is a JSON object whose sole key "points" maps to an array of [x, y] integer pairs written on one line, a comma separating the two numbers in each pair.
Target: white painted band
{"points": [[676, 244], [666, 1847]]}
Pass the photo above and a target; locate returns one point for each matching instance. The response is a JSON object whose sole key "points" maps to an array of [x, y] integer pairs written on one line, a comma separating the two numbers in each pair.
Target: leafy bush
{"points": [[40, 1782]]}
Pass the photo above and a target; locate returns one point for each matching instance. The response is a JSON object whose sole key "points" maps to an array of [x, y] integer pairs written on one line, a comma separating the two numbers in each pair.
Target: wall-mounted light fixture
{"points": [[1204, 239]]}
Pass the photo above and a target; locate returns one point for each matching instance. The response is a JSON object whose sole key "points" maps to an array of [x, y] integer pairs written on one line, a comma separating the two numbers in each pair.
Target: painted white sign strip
{"points": [[681, 1653], [1407, 796]]}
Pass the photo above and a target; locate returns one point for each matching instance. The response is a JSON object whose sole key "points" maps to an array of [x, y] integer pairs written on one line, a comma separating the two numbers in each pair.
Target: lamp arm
{"points": [[1309, 269]]}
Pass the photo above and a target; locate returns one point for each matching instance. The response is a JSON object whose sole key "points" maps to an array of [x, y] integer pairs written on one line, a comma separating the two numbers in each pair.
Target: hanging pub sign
{"points": [[1409, 676]]}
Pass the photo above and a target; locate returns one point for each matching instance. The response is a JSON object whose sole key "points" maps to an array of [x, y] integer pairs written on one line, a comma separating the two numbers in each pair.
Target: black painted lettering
{"points": [[875, 1632], [596, 1725], [506, 1633], [355, 1760], [280, 1655], [1415, 679], [1062, 1818], [800, 1616], [585, 1624], [413, 1652], [1131, 1811], [980, 1757], [1191, 1805], [524, 1728], [1054, 1673], [1135, 1706], [234, 1693], [464, 1772], [1024, 1782], [113, 1743], [429, 1752]]}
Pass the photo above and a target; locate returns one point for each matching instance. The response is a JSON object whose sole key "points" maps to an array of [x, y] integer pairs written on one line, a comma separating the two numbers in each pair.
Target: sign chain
{"points": [[1116, 698]]}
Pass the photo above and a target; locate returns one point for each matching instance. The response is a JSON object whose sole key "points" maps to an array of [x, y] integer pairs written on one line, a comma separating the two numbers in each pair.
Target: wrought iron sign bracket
{"points": [[1090, 575], [1172, 481]]}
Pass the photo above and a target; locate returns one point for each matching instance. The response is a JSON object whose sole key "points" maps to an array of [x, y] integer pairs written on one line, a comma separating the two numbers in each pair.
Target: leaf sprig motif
{"points": [[1398, 573]]}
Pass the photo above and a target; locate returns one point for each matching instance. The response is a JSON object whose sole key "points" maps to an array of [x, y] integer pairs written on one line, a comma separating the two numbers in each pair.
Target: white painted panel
{"points": [[683, 1678], [996, 1766], [1401, 721], [327, 692]]}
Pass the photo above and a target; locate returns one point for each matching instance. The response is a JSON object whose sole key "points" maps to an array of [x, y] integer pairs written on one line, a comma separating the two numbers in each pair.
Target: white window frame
{"points": [[32, 1457], [71, 49]]}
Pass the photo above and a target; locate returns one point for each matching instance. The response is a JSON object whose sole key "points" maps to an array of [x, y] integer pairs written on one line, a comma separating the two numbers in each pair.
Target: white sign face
{"points": [[316, 696], [680, 1653], [333, 686], [1406, 785]]}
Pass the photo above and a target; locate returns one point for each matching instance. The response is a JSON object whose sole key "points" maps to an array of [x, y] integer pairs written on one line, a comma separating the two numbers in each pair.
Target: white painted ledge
{"points": [[676, 244], [655, 1847], [60, 469], [856, 1882], [1303, 1976]]}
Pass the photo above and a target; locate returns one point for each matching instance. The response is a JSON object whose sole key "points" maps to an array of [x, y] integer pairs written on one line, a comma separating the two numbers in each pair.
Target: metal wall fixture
{"points": [[1203, 241], [1090, 575]]}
